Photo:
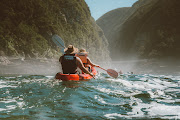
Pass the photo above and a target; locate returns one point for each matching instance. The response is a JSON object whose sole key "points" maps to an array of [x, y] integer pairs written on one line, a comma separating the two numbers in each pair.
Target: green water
{"points": [[127, 97]]}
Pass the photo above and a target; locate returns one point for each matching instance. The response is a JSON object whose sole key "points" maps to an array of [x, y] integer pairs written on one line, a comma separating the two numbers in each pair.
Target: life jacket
{"points": [[68, 63], [83, 58]]}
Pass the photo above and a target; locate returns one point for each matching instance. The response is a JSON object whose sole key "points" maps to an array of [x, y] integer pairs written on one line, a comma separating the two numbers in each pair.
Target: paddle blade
{"points": [[58, 41], [112, 73]]}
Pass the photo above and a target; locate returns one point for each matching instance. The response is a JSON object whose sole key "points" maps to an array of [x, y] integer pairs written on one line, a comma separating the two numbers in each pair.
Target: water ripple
{"points": [[129, 96]]}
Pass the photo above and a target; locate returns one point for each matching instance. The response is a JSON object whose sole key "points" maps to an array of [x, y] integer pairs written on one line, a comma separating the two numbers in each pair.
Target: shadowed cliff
{"points": [[149, 29]]}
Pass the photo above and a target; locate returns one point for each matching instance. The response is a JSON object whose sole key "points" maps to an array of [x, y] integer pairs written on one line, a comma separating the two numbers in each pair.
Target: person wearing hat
{"points": [[70, 62], [83, 55]]}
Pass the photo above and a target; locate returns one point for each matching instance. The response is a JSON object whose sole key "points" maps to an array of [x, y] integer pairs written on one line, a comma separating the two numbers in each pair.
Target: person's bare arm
{"points": [[90, 63], [81, 66]]}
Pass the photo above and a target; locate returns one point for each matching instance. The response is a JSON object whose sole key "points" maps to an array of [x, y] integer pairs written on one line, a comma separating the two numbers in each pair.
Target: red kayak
{"points": [[75, 77]]}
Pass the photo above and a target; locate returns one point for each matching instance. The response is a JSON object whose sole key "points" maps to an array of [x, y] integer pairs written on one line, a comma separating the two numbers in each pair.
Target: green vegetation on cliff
{"points": [[26, 27]]}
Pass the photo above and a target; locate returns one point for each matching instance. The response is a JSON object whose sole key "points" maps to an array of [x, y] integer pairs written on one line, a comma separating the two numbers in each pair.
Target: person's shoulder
{"points": [[78, 59], [88, 59], [61, 56]]}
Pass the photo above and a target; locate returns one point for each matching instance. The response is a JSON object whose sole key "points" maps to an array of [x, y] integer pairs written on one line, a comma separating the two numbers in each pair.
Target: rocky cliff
{"points": [[108, 23], [149, 29], [26, 27]]}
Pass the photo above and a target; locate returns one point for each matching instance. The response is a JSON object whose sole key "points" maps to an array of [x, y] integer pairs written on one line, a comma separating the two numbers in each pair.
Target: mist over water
{"points": [[131, 65], [148, 66], [31, 67]]}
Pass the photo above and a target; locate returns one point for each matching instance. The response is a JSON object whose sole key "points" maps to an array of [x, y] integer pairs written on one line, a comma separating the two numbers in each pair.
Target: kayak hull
{"points": [[75, 77]]}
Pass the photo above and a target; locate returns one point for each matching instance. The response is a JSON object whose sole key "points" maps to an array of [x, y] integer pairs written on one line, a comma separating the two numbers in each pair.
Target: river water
{"points": [[130, 96]]}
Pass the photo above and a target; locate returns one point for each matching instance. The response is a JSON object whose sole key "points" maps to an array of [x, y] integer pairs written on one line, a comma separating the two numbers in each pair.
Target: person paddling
{"points": [[70, 62], [83, 55]]}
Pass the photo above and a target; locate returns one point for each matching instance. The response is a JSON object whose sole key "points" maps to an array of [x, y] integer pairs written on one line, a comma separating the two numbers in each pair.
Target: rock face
{"points": [[111, 21], [149, 29], [26, 28]]}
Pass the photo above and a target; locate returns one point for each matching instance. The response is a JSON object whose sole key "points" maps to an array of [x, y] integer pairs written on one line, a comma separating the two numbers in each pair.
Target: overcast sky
{"points": [[100, 7]]}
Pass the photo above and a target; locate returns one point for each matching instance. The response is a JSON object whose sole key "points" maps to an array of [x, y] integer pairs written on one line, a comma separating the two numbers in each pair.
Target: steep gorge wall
{"points": [[108, 23], [26, 28], [150, 29]]}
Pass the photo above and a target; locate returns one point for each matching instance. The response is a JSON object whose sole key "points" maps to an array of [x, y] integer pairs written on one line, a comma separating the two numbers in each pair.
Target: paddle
{"points": [[111, 72], [59, 42]]}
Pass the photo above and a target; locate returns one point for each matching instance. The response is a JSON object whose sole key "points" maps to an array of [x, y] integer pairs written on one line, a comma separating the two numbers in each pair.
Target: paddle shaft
{"points": [[102, 68]]}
